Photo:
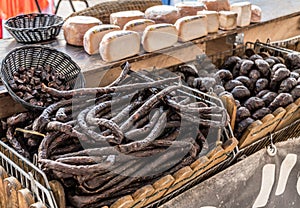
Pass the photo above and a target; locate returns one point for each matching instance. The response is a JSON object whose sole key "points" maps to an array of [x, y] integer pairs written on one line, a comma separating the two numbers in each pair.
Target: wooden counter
{"points": [[97, 72]]}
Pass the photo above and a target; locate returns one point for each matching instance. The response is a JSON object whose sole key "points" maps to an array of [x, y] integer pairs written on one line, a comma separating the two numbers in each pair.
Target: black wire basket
{"points": [[35, 27], [34, 56]]}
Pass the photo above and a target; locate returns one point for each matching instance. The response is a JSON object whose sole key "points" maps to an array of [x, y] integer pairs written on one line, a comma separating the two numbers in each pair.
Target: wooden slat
{"points": [[259, 129], [277, 29], [3, 175], [8, 106], [292, 115], [25, 198], [12, 186]]}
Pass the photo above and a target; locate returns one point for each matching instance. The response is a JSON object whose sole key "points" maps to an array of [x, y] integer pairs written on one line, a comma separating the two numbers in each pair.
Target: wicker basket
{"points": [[291, 43], [35, 27], [103, 10], [33, 56]]}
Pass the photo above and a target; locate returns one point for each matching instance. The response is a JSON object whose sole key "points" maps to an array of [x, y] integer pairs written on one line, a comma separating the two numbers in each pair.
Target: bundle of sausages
{"points": [[104, 143], [260, 83]]}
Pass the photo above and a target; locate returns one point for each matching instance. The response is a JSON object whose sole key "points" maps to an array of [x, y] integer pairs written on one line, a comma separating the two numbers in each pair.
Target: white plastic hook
{"points": [[271, 148]]}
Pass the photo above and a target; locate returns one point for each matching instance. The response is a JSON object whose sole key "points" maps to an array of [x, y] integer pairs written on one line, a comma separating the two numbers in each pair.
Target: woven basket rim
{"points": [[38, 46], [59, 24]]}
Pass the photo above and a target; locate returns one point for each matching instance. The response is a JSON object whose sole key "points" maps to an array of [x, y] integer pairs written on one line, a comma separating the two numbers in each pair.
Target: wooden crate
{"points": [[13, 194], [169, 186]]}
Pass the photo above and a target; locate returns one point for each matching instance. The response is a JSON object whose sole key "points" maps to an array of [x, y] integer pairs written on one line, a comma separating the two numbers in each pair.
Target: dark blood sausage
{"points": [[190, 80], [243, 125], [274, 85], [297, 70], [282, 100], [242, 113], [208, 83], [261, 84], [238, 104], [278, 66], [249, 52], [294, 75], [245, 80], [254, 103], [269, 97], [240, 92], [264, 55], [204, 84], [296, 92], [254, 74], [236, 69], [197, 82], [231, 62], [254, 57], [218, 89], [246, 67], [263, 67], [105, 90], [292, 61], [188, 70], [280, 74], [270, 61], [260, 113], [276, 59], [223, 75], [182, 75], [262, 93], [125, 70], [287, 85], [232, 84]]}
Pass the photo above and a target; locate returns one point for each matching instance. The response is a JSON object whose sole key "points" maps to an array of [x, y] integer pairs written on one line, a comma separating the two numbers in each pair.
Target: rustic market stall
{"points": [[144, 123]]}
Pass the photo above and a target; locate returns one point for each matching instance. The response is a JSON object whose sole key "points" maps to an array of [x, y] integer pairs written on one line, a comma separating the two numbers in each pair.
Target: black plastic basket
{"points": [[35, 27], [33, 56]]}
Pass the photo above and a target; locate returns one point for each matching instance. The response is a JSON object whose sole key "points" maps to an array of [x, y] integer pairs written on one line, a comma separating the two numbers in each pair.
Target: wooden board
{"points": [[8, 106], [169, 183], [231, 107], [12, 186], [13, 195], [261, 128], [276, 29], [3, 175], [25, 198], [292, 115]]}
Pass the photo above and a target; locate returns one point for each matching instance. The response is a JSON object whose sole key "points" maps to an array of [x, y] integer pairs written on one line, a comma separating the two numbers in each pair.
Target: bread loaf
{"points": [[189, 8], [75, 28], [212, 20], [121, 18], [162, 14], [94, 35], [159, 36], [217, 5], [117, 45], [255, 13], [138, 25], [227, 20], [243, 10], [191, 27]]}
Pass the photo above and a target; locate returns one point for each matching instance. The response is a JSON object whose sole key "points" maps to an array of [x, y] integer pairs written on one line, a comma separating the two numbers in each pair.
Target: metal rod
{"points": [[38, 6]]}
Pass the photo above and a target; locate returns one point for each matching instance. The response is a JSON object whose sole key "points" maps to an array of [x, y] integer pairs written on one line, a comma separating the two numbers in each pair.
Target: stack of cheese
{"points": [[158, 28]]}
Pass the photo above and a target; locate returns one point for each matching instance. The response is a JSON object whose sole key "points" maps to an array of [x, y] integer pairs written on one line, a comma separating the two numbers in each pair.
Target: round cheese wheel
{"points": [[190, 8], [121, 18], [75, 28], [162, 14]]}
